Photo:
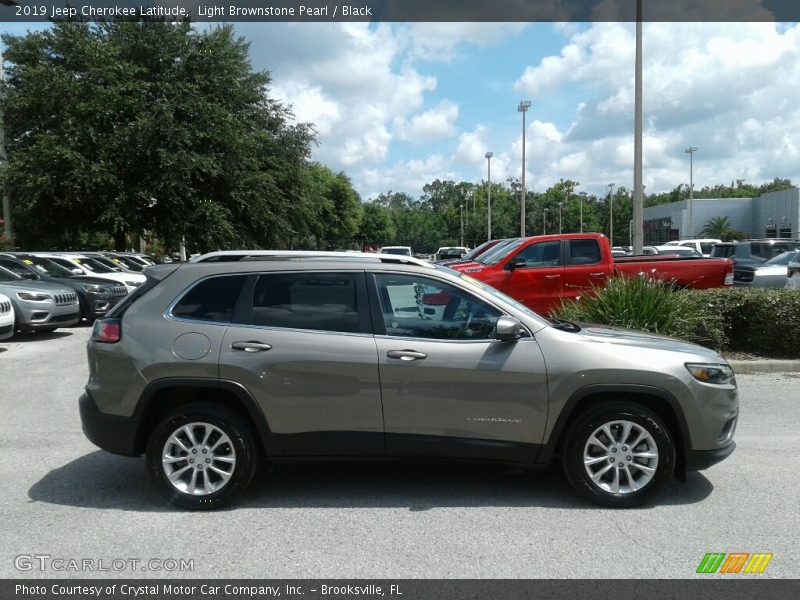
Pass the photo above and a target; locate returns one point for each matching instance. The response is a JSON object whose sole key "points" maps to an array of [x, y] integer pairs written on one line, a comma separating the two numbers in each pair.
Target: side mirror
{"points": [[77, 271], [518, 262], [508, 329]]}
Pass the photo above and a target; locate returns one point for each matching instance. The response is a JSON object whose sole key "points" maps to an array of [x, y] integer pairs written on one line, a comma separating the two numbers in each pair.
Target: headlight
{"points": [[133, 283], [35, 296], [96, 289], [718, 374]]}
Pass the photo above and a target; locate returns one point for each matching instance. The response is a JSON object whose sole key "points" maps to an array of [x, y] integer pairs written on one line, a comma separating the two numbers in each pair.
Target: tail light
{"points": [[107, 331], [729, 278]]}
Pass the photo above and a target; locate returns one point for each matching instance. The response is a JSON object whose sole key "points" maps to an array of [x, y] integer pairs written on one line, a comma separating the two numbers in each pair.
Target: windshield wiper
{"points": [[565, 325]]}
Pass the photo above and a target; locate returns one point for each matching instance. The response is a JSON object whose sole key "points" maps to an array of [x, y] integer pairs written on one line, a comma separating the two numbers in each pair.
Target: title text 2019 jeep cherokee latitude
{"points": [[210, 368]]}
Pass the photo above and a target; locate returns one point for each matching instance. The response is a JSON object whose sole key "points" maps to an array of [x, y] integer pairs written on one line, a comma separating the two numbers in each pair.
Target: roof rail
{"points": [[341, 257]]}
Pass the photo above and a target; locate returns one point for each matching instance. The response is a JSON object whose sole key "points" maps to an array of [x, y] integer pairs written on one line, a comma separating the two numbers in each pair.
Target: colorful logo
{"points": [[734, 562]]}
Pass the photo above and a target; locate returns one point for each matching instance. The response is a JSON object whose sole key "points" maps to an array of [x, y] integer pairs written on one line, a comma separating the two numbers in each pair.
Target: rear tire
{"points": [[202, 456], [618, 454]]}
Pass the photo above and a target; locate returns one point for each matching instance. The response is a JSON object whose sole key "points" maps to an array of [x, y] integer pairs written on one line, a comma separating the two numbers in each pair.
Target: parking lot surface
{"points": [[64, 498]]}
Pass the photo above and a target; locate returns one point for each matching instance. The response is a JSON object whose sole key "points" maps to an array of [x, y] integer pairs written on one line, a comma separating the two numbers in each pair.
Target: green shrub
{"points": [[764, 322], [633, 303]]}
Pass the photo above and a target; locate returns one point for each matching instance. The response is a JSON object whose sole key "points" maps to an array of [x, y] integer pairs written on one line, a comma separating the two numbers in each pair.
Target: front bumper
{"points": [[112, 433], [699, 460]]}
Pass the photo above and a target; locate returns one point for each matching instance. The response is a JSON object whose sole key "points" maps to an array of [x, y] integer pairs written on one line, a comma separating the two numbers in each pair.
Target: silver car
{"points": [[6, 317], [210, 368], [39, 306], [773, 273]]}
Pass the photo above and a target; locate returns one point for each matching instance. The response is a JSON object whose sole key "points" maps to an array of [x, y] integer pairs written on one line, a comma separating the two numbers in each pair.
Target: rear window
{"points": [[211, 300], [314, 301]]}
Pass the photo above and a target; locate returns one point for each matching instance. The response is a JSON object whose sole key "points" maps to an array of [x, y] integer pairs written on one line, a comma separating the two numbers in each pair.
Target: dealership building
{"points": [[772, 215]]}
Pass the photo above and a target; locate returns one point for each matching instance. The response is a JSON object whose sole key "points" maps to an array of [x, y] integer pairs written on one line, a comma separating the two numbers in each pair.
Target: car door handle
{"points": [[597, 275], [552, 276], [251, 346], [406, 354]]}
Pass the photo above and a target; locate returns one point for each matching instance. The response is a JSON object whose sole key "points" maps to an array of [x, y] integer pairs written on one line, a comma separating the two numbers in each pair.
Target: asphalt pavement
{"points": [[65, 499]]}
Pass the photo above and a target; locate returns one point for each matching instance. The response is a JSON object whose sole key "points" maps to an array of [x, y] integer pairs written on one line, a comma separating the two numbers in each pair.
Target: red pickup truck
{"points": [[540, 271]]}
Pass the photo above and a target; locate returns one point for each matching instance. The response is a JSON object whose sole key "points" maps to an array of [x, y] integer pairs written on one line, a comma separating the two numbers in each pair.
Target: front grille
{"points": [[67, 298], [5, 307], [742, 275], [119, 290]]}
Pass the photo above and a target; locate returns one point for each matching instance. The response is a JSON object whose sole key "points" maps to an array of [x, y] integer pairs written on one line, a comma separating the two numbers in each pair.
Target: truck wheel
{"points": [[202, 456], [618, 454]]}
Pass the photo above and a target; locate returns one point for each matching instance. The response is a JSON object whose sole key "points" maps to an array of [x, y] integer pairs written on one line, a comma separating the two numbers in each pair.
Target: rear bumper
{"points": [[112, 433], [699, 460]]}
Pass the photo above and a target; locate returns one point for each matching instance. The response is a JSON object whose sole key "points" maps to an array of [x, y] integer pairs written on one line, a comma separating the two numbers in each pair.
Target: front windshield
{"points": [[398, 251], [6, 275], [109, 263], [92, 265], [484, 247], [782, 259], [499, 252], [128, 263], [47, 267]]}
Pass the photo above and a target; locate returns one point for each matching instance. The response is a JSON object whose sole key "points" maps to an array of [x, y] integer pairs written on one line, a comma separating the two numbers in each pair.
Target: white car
{"points": [[674, 249], [83, 265], [397, 250], [6, 318], [703, 246]]}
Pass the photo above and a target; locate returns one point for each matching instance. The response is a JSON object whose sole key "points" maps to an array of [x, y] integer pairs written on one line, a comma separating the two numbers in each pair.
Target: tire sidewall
{"points": [[586, 425], [243, 442]]}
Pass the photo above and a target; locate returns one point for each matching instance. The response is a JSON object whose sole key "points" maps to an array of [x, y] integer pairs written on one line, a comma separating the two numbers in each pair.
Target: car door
{"points": [[449, 388], [302, 343], [538, 282], [583, 267]]}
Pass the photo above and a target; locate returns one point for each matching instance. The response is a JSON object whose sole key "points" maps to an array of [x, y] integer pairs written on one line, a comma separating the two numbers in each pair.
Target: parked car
{"points": [[39, 306], [541, 271], [451, 253], [115, 265], [472, 254], [6, 318], [96, 296], [773, 273], [703, 246], [81, 265], [211, 368], [397, 250], [752, 252], [673, 250], [793, 274]]}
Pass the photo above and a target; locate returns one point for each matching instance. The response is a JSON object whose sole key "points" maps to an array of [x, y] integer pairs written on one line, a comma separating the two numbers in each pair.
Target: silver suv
{"points": [[211, 368]]}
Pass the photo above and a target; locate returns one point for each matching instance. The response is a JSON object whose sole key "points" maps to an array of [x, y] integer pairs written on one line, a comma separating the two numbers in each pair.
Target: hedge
{"points": [[762, 322]]}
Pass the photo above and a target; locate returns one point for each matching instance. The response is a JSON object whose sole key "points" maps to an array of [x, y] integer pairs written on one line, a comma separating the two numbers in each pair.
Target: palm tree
{"points": [[718, 228]]}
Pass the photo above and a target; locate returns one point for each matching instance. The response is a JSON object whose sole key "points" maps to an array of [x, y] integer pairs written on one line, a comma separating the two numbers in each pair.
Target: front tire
{"points": [[618, 454], [202, 456]]}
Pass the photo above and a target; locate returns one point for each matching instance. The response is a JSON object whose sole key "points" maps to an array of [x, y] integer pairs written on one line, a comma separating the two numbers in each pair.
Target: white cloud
{"points": [[434, 124]]}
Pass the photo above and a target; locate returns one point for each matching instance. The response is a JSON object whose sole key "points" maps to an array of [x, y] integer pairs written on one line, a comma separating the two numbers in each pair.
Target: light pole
{"points": [[523, 107], [462, 222], [488, 156], [9, 231], [560, 211], [690, 151], [544, 221], [611, 213], [638, 192]]}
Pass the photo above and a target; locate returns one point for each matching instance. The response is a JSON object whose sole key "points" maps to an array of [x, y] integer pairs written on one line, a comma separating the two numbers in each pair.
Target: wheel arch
{"points": [[162, 396], [656, 399]]}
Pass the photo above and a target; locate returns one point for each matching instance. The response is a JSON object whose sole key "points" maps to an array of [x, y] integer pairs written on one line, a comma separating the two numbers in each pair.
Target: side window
{"points": [[543, 254], [583, 252], [419, 307], [315, 301], [211, 300]]}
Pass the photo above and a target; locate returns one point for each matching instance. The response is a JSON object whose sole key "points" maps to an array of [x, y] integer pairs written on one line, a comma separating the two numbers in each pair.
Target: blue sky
{"points": [[399, 105]]}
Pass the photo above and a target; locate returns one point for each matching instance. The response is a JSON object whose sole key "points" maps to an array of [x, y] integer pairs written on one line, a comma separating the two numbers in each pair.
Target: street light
{"points": [[488, 156], [560, 209], [611, 213], [523, 107], [462, 223], [544, 221], [690, 151]]}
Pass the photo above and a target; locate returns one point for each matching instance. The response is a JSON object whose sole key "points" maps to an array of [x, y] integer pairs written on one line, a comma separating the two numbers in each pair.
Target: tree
{"points": [[375, 226], [718, 228], [132, 126]]}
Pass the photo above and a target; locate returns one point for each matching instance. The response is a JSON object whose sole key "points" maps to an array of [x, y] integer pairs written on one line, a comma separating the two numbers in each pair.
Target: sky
{"points": [[396, 105]]}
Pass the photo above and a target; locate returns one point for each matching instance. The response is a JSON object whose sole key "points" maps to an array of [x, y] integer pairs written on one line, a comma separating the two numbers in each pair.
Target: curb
{"points": [[749, 367]]}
